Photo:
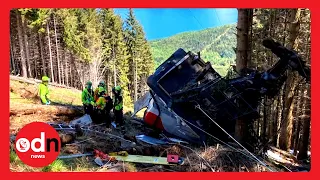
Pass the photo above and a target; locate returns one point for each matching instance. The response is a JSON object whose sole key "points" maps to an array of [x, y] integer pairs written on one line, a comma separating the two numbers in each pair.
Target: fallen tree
{"points": [[58, 110]]}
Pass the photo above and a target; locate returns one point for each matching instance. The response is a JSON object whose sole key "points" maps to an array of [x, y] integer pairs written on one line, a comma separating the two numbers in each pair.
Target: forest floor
{"points": [[25, 108]]}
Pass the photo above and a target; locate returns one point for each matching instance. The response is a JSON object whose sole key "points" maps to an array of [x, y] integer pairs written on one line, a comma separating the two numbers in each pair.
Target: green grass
{"points": [[75, 164], [57, 166], [14, 158]]}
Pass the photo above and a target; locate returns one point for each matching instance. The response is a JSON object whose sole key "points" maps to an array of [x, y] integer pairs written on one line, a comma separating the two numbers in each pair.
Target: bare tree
{"points": [[50, 53], [57, 49], [20, 38]]}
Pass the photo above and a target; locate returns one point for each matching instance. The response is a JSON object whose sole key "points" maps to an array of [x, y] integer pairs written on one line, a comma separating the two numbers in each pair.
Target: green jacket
{"points": [[118, 103], [86, 96], [43, 93]]}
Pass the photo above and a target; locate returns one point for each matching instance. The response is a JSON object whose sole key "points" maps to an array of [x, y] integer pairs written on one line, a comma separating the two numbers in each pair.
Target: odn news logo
{"points": [[37, 144], [24, 145]]}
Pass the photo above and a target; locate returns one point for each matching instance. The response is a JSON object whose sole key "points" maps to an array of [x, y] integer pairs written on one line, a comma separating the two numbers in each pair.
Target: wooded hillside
{"points": [[72, 46], [216, 45]]}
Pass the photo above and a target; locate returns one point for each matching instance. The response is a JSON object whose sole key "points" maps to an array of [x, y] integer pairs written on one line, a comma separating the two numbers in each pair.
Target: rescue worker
{"points": [[118, 105], [96, 91], [87, 98], [103, 106], [44, 90]]}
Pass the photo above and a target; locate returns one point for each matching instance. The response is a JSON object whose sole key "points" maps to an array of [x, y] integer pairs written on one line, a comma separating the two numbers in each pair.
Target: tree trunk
{"points": [[44, 69], [50, 53], [109, 82], [63, 59], [26, 45], [70, 71], [114, 67], [296, 122], [57, 49], [276, 122], [22, 52], [297, 137], [135, 78], [286, 127], [35, 66], [241, 130], [264, 127], [303, 149], [66, 68], [12, 62]]}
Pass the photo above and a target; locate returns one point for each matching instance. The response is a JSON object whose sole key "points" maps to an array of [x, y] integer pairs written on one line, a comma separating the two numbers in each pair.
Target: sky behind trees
{"points": [[164, 22]]}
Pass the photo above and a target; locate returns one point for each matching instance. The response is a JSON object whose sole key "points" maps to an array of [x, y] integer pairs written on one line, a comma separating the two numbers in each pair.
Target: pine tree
{"points": [[122, 63], [115, 50], [131, 26], [138, 51], [21, 46]]}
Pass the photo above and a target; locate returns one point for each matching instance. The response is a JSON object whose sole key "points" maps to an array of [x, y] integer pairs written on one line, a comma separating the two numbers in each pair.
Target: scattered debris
{"points": [[146, 159], [84, 120], [150, 140]]}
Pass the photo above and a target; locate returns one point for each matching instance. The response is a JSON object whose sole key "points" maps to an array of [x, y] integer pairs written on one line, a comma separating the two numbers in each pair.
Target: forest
{"points": [[72, 46], [285, 121], [216, 45]]}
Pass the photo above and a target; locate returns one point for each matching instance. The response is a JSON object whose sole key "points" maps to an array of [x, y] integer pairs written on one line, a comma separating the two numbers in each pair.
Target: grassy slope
{"points": [[215, 44]]}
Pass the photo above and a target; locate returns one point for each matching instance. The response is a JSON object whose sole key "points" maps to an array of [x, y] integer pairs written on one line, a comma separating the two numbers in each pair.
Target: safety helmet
{"points": [[116, 89], [45, 79], [89, 83], [101, 83], [101, 89]]}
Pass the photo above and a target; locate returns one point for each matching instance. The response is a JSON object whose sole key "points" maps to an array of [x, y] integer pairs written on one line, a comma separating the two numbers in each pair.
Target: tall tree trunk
{"points": [[26, 44], [135, 79], [264, 127], [303, 149], [70, 71], [241, 131], [286, 133], [297, 137], [109, 82], [273, 122], [44, 68], [296, 122], [62, 67], [114, 67], [66, 68], [50, 53], [22, 52], [57, 49], [35, 66], [299, 112], [12, 62]]}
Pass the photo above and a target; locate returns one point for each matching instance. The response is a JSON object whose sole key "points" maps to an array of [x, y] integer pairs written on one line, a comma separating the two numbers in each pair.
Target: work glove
{"points": [[48, 102]]}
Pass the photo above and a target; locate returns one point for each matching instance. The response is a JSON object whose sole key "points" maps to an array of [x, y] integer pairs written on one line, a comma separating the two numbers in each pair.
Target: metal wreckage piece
{"points": [[185, 91]]}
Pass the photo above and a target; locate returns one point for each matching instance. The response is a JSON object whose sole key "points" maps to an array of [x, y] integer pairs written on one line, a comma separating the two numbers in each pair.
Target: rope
{"points": [[222, 142], [262, 163]]}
